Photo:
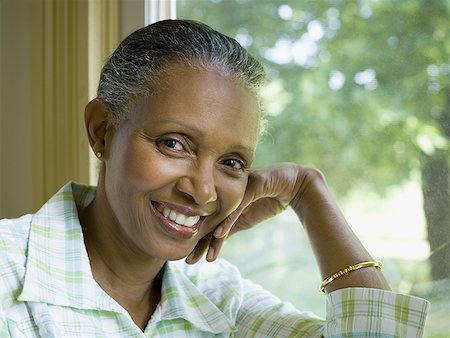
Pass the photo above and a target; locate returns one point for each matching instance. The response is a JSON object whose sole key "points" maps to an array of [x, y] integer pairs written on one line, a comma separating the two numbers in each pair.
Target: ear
{"points": [[96, 117]]}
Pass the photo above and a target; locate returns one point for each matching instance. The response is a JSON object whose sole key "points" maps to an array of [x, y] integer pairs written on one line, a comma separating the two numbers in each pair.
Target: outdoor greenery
{"points": [[361, 90]]}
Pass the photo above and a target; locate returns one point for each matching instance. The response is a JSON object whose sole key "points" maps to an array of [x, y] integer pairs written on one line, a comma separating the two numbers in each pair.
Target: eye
{"points": [[173, 144], [234, 164]]}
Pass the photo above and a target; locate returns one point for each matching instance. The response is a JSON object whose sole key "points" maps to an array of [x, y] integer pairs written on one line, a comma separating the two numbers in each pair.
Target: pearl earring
{"points": [[98, 154]]}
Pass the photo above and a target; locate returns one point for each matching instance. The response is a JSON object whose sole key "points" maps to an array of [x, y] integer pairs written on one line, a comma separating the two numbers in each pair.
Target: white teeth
{"points": [[166, 212], [173, 215], [181, 219], [190, 221]]}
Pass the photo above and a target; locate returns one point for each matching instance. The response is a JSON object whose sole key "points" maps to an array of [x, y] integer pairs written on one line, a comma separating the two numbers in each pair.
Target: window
{"points": [[360, 90]]}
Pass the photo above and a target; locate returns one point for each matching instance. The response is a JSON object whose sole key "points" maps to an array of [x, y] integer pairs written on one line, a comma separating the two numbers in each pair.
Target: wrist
{"points": [[311, 190]]}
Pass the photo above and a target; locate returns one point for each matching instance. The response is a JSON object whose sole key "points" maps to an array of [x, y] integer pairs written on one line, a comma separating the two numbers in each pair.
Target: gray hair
{"points": [[133, 68]]}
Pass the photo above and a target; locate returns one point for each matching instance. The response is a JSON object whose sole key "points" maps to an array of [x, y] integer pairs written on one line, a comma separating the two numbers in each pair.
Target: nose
{"points": [[199, 184]]}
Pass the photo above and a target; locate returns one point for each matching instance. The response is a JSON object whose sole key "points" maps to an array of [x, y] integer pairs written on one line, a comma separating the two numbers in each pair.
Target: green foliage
{"points": [[364, 132], [357, 88]]}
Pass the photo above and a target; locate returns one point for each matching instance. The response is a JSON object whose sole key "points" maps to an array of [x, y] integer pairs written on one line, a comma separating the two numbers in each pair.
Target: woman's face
{"points": [[178, 166]]}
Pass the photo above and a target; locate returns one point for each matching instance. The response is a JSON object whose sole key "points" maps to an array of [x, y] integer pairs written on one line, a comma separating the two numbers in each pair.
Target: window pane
{"points": [[361, 90]]}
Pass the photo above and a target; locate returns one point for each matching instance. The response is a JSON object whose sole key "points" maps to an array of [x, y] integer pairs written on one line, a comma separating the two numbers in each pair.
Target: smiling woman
{"points": [[175, 126], [176, 156]]}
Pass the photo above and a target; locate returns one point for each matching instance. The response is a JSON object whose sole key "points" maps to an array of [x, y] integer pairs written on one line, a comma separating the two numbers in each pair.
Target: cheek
{"points": [[231, 195], [147, 168]]}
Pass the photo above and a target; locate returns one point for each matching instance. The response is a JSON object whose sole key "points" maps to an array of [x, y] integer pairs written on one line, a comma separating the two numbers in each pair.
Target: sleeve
{"points": [[364, 312], [351, 312], [263, 315], [4, 332]]}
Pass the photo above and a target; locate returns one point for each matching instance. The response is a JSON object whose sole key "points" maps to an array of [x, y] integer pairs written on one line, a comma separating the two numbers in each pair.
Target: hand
{"points": [[269, 191], [272, 189]]}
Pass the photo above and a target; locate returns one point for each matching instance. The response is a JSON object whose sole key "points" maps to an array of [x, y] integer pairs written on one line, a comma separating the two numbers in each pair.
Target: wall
{"points": [[16, 109], [48, 48], [132, 13], [51, 54]]}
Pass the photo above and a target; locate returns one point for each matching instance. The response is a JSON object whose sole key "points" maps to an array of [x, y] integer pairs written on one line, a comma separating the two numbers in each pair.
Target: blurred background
{"points": [[359, 89]]}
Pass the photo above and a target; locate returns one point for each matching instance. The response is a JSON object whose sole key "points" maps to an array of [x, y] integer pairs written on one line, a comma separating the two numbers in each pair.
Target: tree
{"points": [[360, 89]]}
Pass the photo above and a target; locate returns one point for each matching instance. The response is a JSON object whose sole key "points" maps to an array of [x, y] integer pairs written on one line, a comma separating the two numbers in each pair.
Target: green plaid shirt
{"points": [[47, 290]]}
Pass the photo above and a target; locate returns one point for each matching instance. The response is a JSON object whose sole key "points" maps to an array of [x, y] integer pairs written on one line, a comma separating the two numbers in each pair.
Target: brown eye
{"points": [[173, 144], [234, 164]]}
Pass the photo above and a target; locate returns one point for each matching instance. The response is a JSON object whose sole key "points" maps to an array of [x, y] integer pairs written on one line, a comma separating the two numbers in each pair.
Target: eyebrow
{"points": [[187, 126]]}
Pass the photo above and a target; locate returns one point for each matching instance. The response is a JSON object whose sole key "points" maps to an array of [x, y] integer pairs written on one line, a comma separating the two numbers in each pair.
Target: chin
{"points": [[171, 252], [177, 258]]}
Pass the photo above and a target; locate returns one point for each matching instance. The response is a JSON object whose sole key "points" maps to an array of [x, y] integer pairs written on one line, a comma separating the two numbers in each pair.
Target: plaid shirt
{"points": [[47, 290]]}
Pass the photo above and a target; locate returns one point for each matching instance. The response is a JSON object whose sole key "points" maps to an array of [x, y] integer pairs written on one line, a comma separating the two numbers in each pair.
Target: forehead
{"points": [[207, 100]]}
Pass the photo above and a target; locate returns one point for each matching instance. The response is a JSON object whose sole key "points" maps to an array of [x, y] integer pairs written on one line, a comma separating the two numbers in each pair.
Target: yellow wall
{"points": [[16, 109], [48, 49]]}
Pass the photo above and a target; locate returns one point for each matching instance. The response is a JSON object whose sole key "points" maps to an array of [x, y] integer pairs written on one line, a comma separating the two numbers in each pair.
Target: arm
{"points": [[365, 311], [271, 190], [334, 244]]}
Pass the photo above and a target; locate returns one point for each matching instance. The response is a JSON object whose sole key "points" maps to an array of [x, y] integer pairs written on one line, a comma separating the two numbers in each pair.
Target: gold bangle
{"points": [[345, 271]]}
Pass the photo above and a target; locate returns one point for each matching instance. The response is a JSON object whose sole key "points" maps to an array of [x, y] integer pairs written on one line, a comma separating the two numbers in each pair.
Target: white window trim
{"points": [[156, 10]]}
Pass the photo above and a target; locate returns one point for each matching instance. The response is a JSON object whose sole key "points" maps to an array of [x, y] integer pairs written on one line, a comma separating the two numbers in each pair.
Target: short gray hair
{"points": [[132, 69]]}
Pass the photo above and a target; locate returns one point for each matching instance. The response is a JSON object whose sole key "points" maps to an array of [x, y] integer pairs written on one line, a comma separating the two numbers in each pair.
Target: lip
{"points": [[173, 229], [182, 209]]}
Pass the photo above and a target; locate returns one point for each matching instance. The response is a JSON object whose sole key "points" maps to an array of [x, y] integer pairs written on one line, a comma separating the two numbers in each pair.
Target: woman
{"points": [[175, 126]]}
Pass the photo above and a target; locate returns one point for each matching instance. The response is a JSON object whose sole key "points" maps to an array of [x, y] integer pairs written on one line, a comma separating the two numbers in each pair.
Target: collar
{"points": [[58, 271], [182, 298]]}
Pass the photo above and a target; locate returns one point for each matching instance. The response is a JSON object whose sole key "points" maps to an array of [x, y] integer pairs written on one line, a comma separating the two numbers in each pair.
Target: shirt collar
{"points": [[57, 269], [182, 298]]}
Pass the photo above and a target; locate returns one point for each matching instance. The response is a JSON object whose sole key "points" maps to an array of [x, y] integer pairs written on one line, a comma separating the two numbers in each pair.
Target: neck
{"points": [[132, 279]]}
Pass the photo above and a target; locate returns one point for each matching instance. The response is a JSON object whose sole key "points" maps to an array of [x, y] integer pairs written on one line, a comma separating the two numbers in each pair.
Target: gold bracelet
{"points": [[345, 271]]}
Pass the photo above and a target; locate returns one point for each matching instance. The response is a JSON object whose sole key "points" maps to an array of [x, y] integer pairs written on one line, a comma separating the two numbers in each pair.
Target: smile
{"points": [[177, 217]]}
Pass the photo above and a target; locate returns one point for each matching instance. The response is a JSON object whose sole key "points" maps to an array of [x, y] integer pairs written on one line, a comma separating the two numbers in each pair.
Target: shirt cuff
{"points": [[365, 312]]}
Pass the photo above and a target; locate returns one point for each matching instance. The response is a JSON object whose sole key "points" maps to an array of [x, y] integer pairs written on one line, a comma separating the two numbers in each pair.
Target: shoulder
{"points": [[14, 234]]}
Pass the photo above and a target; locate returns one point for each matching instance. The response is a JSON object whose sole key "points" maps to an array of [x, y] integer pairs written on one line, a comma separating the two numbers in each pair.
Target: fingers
{"points": [[221, 234], [224, 228], [199, 249], [215, 246], [210, 243], [213, 242], [217, 238]]}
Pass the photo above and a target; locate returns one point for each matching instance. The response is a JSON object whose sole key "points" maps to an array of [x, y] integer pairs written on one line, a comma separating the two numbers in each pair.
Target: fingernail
{"points": [[210, 255], [218, 232], [190, 257]]}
